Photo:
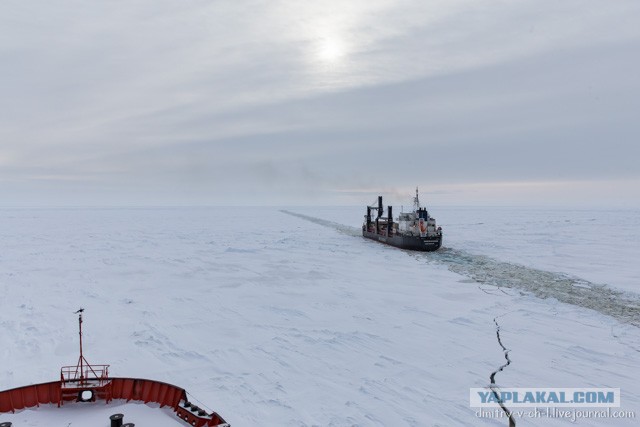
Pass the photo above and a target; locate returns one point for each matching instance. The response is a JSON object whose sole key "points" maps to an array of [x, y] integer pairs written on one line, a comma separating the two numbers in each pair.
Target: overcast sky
{"points": [[319, 102]]}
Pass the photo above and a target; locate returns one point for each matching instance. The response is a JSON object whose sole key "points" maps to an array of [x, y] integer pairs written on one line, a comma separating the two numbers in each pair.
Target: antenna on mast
{"points": [[81, 359], [84, 381]]}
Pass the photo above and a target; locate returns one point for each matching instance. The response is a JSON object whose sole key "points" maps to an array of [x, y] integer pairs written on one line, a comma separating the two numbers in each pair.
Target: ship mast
{"points": [[416, 202], [81, 359]]}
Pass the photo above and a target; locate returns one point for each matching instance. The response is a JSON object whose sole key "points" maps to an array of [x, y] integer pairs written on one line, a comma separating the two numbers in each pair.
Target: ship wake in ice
{"points": [[620, 305]]}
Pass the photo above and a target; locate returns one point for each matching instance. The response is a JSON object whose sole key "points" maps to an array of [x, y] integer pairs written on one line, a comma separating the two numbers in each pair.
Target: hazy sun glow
{"points": [[331, 50]]}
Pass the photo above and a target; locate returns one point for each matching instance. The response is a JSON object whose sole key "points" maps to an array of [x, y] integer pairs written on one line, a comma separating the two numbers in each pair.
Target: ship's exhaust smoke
{"points": [[346, 229]]}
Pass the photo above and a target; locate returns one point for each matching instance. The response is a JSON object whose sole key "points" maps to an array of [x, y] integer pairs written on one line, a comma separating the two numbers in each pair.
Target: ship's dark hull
{"points": [[414, 243]]}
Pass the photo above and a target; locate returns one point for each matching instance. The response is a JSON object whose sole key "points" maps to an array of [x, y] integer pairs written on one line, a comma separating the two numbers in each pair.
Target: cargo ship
{"points": [[415, 230], [74, 400]]}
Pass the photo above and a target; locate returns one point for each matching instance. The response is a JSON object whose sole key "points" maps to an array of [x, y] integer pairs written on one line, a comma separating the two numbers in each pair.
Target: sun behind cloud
{"points": [[331, 49]]}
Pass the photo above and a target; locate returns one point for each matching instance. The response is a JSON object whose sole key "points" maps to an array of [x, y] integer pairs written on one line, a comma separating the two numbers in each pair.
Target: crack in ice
{"points": [[494, 388]]}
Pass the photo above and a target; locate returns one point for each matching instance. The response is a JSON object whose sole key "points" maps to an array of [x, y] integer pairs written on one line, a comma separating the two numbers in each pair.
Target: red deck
{"points": [[129, 389], [87, 383]]}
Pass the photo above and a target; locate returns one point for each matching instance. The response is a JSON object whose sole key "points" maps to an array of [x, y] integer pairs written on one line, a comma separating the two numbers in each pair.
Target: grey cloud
{"points": [[162, 101]]}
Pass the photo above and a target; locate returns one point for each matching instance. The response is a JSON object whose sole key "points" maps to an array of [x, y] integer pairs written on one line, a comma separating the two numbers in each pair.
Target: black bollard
{"points": [[116, 420]]}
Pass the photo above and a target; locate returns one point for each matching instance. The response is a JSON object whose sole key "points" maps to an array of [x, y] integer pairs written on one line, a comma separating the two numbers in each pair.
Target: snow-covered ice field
{"points": [[274, 319]]}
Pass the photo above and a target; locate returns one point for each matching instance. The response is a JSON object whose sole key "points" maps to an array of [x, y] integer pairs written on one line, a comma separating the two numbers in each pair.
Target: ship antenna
{"points": [[416, 201], [81, 359]]}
